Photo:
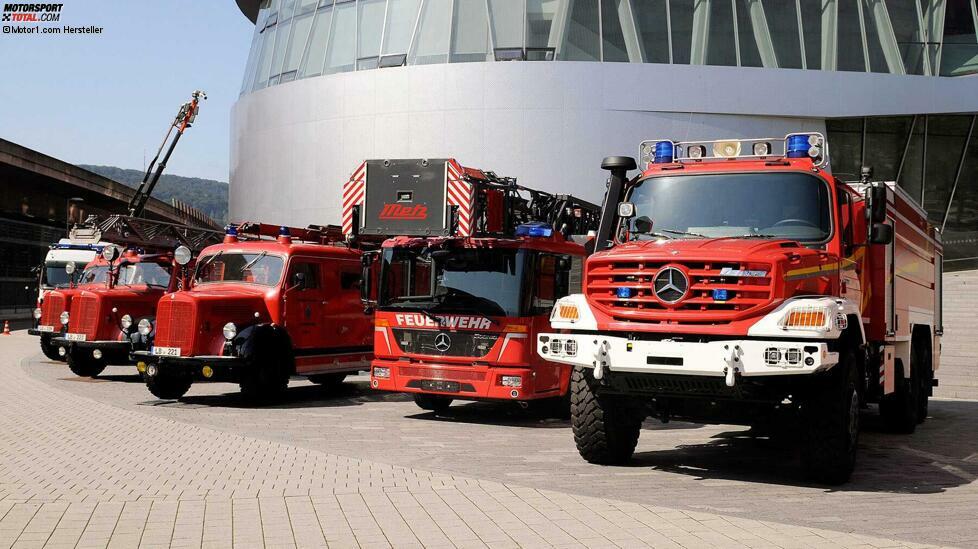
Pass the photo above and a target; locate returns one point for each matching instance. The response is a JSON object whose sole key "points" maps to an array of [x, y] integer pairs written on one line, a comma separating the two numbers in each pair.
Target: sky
{"points": [[109, 98]]}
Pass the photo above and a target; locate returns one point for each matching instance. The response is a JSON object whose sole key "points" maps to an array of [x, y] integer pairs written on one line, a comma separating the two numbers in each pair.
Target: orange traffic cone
{"points": [[6, 327]]}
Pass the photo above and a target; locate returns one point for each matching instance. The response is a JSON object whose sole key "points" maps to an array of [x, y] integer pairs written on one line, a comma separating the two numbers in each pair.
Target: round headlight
{"points": [[37, 313], [64, 318], [125, 322], [145, 327], [69, 268], [182, 255], [230, 330]]}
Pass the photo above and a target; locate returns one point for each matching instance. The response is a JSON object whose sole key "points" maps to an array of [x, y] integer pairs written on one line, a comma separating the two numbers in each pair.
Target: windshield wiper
{"points": [[685, 233], [251, 263], [209, 260]]}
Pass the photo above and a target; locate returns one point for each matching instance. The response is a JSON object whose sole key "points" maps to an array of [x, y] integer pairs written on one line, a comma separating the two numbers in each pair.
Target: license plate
{"points": [[166, 351], [48, 329], [75, 337], [440, 386]]}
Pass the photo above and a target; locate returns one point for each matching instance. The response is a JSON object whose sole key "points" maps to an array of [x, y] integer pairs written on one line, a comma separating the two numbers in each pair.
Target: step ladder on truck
{"points": [[736, 281], [469, 281]]}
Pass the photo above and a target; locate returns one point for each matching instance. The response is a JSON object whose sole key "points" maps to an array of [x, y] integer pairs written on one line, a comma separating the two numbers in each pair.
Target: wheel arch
{"points": [[252, 340]]}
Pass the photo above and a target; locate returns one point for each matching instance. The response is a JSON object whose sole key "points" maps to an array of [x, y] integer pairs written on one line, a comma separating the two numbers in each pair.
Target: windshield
{"points": [[150, 274], [253, 268], [484, 282], [776, 204], [55, 275]]}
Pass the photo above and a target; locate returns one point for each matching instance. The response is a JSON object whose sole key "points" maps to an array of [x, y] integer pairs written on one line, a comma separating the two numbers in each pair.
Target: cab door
{"points": [[345, 325], [305, 299]]}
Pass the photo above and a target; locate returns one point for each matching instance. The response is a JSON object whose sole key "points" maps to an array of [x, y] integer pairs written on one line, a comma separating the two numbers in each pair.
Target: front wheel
{"points": [[900, 409], [84, 366], [433, 403], [832, 418], [606, 429], [171, 388], [49, 349]]}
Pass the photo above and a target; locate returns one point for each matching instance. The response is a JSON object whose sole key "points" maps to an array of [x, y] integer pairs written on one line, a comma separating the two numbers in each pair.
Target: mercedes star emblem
{"points": [[443, 342], [670, 284]]}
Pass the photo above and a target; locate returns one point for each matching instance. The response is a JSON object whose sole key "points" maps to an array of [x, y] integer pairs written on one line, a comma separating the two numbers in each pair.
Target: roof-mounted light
{"points": [[664, 151], [537, 229], [231, 233], [284, 231]]}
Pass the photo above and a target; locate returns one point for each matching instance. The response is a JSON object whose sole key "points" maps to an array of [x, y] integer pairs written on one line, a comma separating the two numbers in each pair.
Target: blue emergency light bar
{"points": [[534, 229], [92, 247], [794, 145], [231, 230]]}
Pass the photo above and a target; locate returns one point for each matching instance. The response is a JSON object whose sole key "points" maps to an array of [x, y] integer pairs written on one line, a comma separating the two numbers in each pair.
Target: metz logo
{"points": [[398, 211], [444, 321]]}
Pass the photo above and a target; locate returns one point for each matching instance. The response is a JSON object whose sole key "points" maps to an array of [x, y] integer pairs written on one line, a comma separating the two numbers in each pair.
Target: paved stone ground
{"points": [[99, 462]]}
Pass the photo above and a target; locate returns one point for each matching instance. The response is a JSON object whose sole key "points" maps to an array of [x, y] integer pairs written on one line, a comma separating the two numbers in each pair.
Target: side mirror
{"points": [[299, 281], [642, 225], [366, 262], [876, 203], [881, 233], [626, 210], [563, 264]]}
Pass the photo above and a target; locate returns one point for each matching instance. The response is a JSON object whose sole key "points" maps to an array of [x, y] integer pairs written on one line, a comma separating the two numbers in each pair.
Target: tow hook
{"points": [[732, 360], [600, 359]]}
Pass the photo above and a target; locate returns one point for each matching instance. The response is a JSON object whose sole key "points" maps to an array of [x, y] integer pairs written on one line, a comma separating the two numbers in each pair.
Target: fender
{"points": [[139, 341], [256, 339]]}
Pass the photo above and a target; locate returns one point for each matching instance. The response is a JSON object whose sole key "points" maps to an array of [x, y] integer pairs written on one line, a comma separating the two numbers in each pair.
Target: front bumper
{"points": [[472, 382], [220, 368], [112, 352], [729, 359]]}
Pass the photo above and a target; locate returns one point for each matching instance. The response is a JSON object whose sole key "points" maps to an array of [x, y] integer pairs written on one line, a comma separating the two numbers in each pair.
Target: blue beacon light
{"points": [[231, 230], [663, 152], [283, 231], [534, 229], [797, 146], [721, 294], [623, 293]]}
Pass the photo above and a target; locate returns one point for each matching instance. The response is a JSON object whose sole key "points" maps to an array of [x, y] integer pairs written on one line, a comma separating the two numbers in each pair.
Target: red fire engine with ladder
{"points": [[468, 283], [736, 280]]}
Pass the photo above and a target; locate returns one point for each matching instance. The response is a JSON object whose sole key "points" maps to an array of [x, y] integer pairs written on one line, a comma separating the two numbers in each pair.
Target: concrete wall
{"points": [[958, 373]]}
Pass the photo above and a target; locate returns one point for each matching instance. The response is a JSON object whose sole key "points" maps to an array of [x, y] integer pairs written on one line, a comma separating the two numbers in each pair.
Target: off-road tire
{"points": [[831, 414], [606, 429], [169, 388], [899, 409], [922, 368], [328, 381], [50, 350], [83, 366], [433, 403]]}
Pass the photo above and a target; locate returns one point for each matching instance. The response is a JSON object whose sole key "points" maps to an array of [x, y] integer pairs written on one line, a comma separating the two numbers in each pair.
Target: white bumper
{"points": [[744, 357]]}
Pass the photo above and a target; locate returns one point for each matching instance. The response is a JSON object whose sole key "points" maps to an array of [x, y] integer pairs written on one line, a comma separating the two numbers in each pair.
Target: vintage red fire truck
{"points": [[468, 283], [267, 303], [733, 280]]}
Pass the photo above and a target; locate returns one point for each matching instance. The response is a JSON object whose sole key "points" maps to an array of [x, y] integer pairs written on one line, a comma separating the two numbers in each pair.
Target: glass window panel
{"points": [[681, 19], [265, 59], [906, 28], [910, 177], [720, 47], [844, 136], [305, 6], [782, 23], [750, 55], [249, 72], [877, 60], [613, 39], [539, 20], [961, 233], [401, 16], [960, 50], [850, 49], [470, 31], [507, 23], [300, 34], [315, 57], [945, 141], [811, 22], [281, 39], [885, 139], [371, 21], [650, 16], [431, 42], [581, 43], [341, 52]]}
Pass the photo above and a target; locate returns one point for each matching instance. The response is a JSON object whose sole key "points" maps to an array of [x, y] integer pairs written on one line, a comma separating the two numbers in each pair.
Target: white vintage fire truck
{"points": [[733, 280]]}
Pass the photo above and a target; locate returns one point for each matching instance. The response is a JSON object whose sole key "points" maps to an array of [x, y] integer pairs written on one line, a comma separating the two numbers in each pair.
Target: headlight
{"points": [[230, 330], [806, 317], [381, 372], [125, 322], [566, 311], [182, 255], [37, 313], [145, 326], [64, 318]]}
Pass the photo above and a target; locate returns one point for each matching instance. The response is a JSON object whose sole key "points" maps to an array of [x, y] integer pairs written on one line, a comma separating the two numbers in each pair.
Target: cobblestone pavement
{"points": [[99, 462]]}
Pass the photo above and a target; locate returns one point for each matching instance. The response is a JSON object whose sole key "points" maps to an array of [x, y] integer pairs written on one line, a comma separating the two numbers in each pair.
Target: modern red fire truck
{"points": [[51, 315], [107, 321], [733, 280], [267, 303], [464, 289]]}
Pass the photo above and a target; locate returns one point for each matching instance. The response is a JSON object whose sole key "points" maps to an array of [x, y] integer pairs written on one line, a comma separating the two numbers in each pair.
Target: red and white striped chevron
{"points": [[353, 191], [460, 194]]}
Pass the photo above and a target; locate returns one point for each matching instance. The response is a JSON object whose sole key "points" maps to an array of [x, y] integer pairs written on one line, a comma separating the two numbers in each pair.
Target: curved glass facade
{"points": [[302, 38]]}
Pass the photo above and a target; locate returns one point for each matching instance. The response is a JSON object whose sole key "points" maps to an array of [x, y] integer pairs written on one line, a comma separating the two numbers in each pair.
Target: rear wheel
{"points": [[168, 388], [832, 419], [434, 403], [84, 366], [899, 409], [49, 349], [328, 381], [920, 365], [606, 429]]}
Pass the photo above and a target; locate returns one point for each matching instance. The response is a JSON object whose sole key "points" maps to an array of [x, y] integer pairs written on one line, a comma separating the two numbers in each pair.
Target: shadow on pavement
{"points": [[350, 393], [941, 454]]}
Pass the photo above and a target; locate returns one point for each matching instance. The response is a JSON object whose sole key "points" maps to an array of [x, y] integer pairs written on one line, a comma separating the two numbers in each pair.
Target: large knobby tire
{"points": [[831, 415], [268, 374], [50, 350], [328, 381], [433, 403], [900, 408], [168, 388], [920, 365], [606, 428], [84, 366]]}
